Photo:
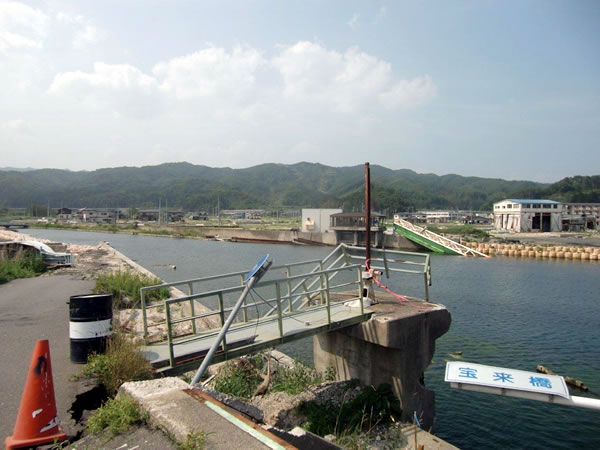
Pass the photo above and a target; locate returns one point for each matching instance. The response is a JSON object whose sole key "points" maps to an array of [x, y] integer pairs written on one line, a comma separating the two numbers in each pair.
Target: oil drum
{"points": [[90, 325]]}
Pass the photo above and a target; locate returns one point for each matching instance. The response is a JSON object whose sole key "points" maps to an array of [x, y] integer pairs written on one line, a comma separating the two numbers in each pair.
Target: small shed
{"points": [[350, 228]]}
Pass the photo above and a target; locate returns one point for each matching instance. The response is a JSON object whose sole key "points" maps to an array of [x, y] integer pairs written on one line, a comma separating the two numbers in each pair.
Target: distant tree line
{"points": [[192, 188]]}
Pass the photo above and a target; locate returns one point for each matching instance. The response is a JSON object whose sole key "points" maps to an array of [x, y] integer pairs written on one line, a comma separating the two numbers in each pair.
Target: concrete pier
{"points": [[395, 346]]}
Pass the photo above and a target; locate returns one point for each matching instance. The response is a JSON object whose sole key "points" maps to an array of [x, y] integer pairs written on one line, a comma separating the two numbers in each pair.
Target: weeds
{"points": [[122, 362], [297, 378], [240, 378], [371, 407], [26, 266], [194, 441], [125, 287], [116, 416]]}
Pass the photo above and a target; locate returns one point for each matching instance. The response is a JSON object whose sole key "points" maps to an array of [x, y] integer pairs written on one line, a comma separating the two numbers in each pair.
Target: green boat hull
{"points": [[423, 241]]}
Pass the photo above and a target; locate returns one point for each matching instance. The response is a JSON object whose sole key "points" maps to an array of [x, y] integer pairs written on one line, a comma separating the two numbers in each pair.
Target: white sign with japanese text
{"points": [[500, 377]]}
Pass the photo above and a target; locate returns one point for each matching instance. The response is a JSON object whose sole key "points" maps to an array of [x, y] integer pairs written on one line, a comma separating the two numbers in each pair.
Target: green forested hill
{"points": [[273, 185]]}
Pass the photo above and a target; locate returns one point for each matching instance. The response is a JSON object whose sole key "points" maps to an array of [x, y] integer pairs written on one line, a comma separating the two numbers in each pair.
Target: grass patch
{"points": [[463, 230], [116, 416], [122, 362], [26, 266], [125, 287], [371, 407], [240, 378]]}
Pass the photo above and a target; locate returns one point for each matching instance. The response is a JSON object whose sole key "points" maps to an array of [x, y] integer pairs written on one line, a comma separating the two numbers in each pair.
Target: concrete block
{"points": [[394, 347]]}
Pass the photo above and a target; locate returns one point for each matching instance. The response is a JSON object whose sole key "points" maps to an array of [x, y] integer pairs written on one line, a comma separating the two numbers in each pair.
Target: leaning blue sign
{"points": [[500, 377], [261, 266]]}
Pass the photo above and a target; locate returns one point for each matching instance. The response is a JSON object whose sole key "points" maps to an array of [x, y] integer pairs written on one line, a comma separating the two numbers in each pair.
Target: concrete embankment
{"points": [[273, 236], [537, 251]]}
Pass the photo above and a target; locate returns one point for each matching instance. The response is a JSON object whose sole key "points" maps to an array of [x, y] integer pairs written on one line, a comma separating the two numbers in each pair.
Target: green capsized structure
{"points": [[432, 241]]}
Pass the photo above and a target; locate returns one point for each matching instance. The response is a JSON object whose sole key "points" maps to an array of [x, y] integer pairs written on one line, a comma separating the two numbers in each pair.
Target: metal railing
{"points": [[279, 300], [336, 278]]}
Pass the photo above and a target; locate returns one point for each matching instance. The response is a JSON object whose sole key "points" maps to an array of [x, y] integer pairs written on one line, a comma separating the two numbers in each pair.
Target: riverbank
{"points": [[93, 259]]}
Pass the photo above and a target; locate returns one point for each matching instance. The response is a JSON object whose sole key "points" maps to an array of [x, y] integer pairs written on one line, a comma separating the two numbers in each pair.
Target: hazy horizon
{"points": [[28, 169]]}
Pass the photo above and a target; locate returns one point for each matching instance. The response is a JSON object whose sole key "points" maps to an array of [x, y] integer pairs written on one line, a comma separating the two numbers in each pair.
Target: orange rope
{"points": [[399, 297]]}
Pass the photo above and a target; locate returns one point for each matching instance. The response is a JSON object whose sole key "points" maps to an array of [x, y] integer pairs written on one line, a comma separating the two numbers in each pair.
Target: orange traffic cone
{"points": [[37, 422]]}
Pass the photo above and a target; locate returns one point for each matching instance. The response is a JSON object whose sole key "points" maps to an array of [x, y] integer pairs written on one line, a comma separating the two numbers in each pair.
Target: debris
{"points": [[569, 380]]}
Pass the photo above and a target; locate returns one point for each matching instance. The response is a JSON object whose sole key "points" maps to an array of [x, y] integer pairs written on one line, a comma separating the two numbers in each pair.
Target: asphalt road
{"points": [[32, 309], [36, 308]]}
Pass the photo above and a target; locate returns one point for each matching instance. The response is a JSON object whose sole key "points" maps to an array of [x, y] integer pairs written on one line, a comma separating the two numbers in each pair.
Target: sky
{"points": [[496, 89]]}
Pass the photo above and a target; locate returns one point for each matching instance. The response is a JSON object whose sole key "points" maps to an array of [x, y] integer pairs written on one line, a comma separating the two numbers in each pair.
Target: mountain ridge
{"points": [[272, 185]]}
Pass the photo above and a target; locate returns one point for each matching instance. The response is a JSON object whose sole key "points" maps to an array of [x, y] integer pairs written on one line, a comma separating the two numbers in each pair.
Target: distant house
{"points": [[243, 213], [148, 215], [581, 216], [477, 219], [350, 228], [96, 215], [442, 216], [199, 215], [584, 210], [153, 215], [527, 215], [64, 214]]}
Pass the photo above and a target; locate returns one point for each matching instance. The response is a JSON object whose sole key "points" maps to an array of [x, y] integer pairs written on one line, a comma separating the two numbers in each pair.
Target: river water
{"points": [[506, 312]]}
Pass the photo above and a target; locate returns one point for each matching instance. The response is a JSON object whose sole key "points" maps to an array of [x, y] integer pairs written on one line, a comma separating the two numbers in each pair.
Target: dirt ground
{"points": [[557, 239]]}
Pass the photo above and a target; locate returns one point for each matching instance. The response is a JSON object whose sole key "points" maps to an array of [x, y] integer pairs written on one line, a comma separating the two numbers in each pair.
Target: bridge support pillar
{"points": [[395, 346]]}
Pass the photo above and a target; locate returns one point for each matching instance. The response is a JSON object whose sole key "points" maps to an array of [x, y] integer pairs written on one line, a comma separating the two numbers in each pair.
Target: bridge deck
{"points": [[251, 337]]}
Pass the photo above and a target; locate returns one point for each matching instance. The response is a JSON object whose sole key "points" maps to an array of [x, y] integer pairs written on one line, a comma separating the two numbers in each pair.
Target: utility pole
{"points": [[367, 213], [219, 209]]}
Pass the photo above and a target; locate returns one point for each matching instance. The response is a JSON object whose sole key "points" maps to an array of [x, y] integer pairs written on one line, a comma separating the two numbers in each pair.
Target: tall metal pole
{"points": [[208, 358], [367, 214]]}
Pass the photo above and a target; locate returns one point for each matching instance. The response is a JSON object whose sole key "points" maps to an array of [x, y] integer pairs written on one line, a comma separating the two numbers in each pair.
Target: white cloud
{"points": [[113, 76], [353, 22], [21, 26], [86, 32], [409, 93], [344, 82], [121, 87], [232, 85], [211, 71]]}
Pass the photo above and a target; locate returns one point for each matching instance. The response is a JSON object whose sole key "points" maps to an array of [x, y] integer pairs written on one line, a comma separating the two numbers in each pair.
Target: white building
{"points": [[580, 209], [317, 220], [524, 215]]}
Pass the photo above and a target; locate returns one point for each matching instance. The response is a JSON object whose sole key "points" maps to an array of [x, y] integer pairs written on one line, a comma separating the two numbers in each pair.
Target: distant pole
{"points": [[367, 214], [159, 210]]}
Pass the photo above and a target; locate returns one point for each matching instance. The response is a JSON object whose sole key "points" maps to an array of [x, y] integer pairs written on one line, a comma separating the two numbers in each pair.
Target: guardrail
{"points": [[331, 280]]}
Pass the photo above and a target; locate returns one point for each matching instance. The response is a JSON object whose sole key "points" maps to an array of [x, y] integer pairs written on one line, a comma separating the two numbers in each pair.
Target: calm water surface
{"points": [[506, 312]]}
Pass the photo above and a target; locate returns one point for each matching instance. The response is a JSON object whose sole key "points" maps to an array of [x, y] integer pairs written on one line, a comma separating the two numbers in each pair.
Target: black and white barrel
{"points": [[90, 324]]}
